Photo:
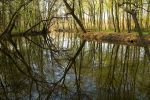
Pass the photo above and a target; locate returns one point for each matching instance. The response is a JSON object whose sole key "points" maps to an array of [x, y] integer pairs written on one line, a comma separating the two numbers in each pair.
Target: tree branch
{"points": [[12, 20]]}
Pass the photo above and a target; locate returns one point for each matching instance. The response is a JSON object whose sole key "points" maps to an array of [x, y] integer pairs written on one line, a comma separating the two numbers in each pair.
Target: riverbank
{"points": [[120, 38]]}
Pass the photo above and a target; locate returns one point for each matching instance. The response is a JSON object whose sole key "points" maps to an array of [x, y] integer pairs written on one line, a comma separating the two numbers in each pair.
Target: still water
{"points": [[102, 71]]}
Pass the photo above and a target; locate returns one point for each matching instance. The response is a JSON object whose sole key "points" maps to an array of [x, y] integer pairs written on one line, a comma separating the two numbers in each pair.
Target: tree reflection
{"points": [[106, 71]]}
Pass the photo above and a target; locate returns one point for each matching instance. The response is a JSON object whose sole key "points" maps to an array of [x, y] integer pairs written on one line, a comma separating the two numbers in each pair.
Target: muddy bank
{"points": [[121, 38]]}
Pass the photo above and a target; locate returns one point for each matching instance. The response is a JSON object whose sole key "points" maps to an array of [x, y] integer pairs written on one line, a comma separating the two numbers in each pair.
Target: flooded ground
{"points": [[102, 71], [112, 71]]}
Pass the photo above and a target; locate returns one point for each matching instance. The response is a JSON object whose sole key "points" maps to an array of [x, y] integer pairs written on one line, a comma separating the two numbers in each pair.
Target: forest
{"points": [[74, 49]]}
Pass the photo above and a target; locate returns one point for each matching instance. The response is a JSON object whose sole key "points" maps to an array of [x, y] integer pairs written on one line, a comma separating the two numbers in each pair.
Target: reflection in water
{"points": [[102, 71]]}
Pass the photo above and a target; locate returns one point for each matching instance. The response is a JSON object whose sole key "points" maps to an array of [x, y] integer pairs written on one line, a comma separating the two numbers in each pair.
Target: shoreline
{"points": [[119, 38]]}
